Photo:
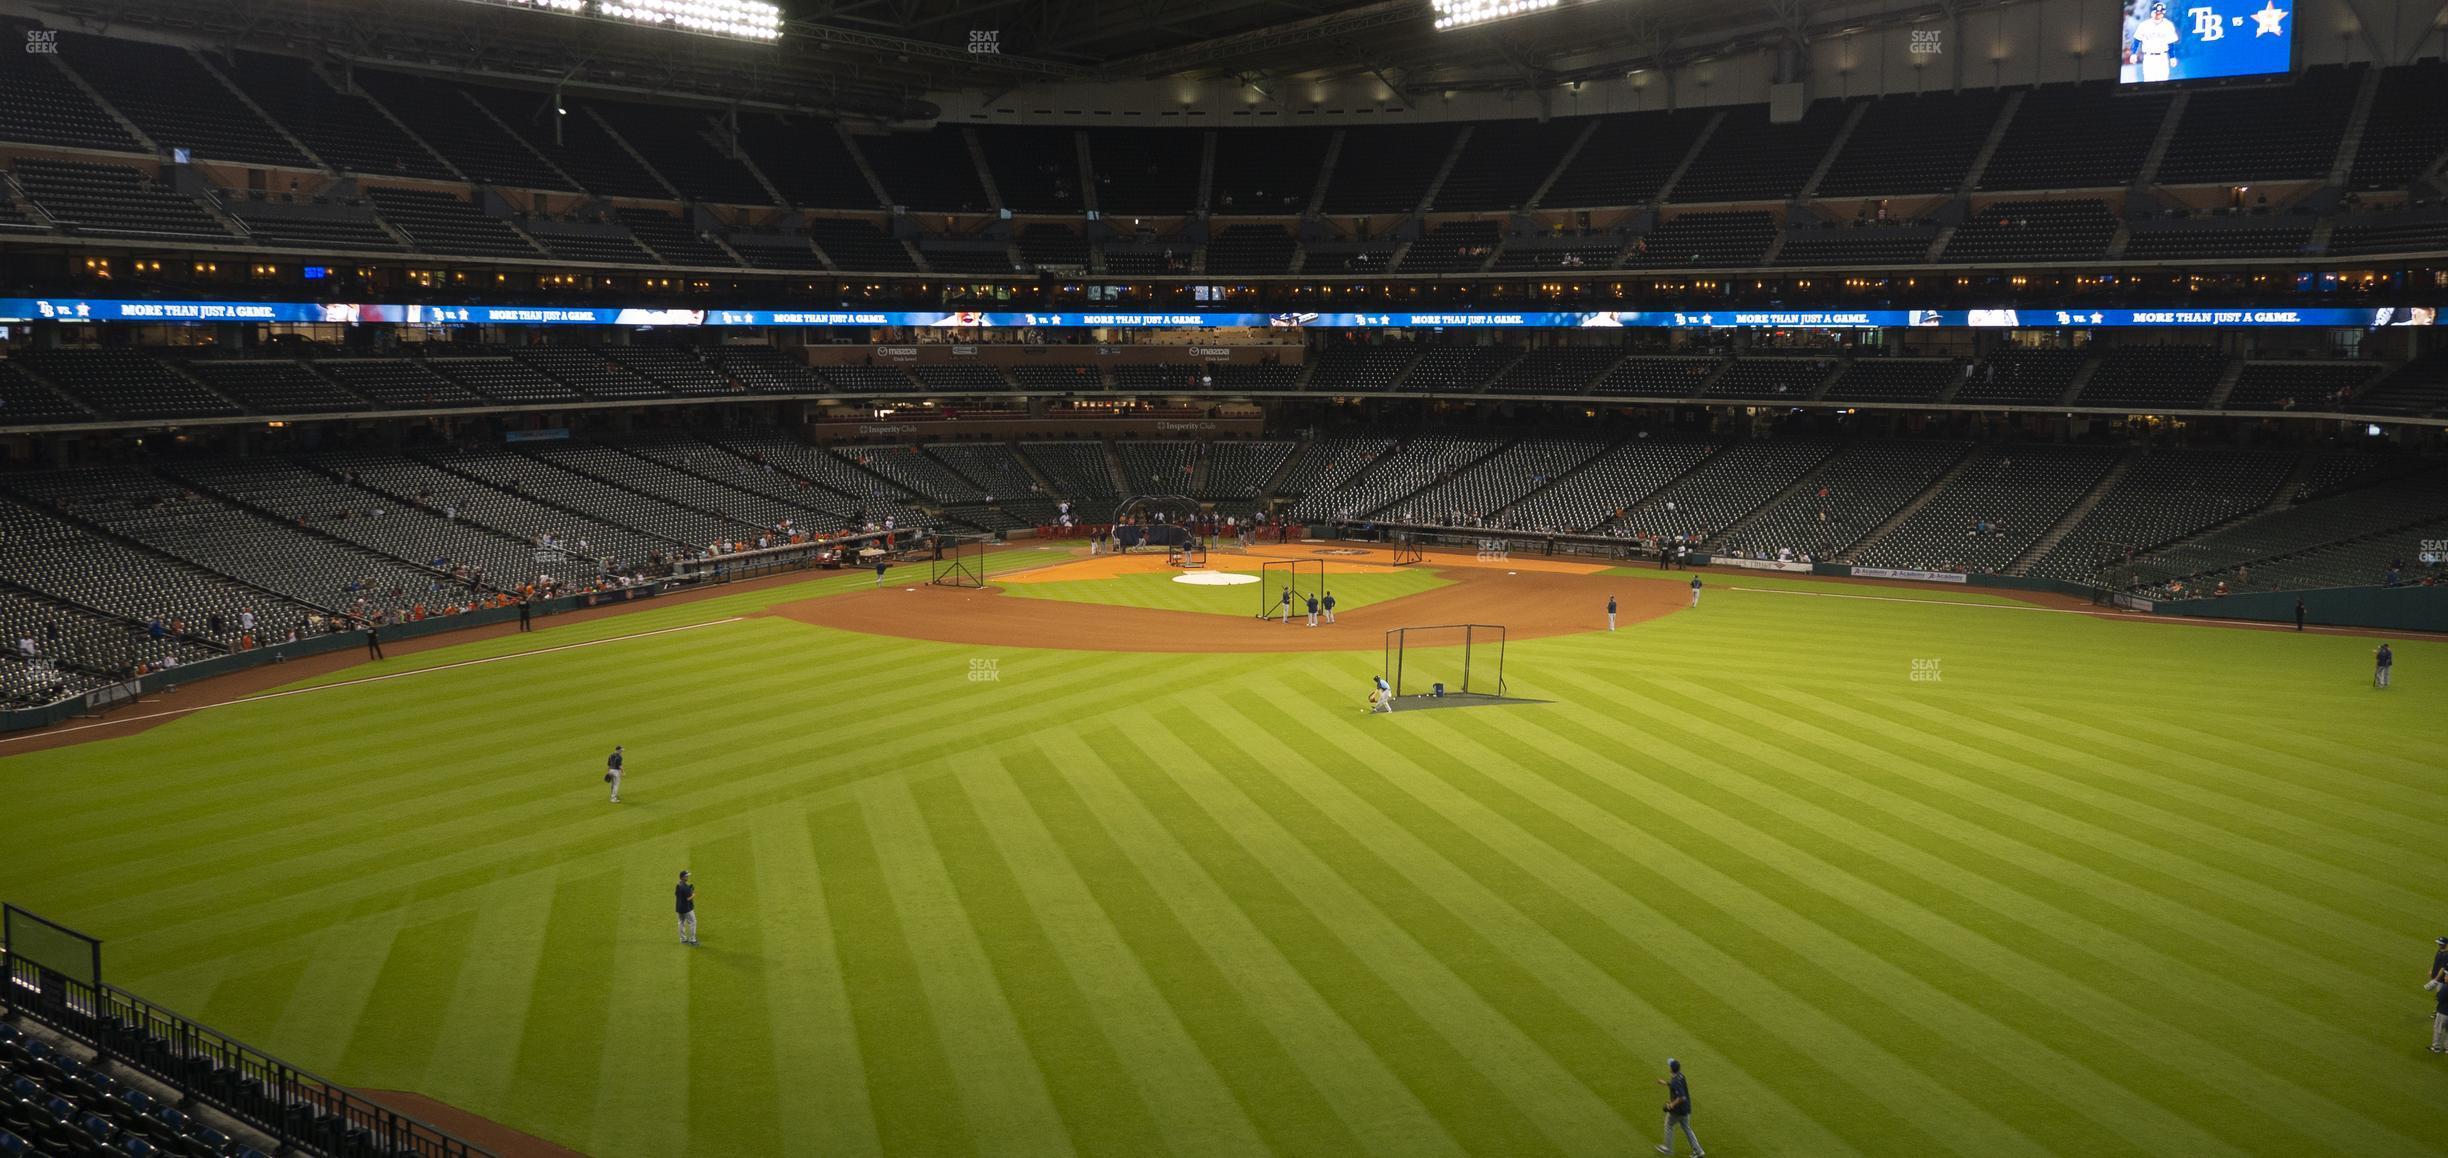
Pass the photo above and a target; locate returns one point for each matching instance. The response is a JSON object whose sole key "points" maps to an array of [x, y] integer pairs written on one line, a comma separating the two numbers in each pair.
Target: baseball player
{"points": [[1313, 610], [684, 902], [1695, 591], [1678, 1109], [612, 772], [1330, 607], [1287, 606], [2151, 41], [2382, 661], [1611, 611], [1381, 697], [879, 571]]}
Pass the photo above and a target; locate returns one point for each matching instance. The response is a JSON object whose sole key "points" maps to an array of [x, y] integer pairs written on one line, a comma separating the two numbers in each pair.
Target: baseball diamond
{"points": [[1095, 579]]}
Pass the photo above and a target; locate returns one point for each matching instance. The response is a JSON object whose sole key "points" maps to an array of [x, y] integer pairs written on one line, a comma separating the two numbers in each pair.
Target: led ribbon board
{"points": [[352, 313]]}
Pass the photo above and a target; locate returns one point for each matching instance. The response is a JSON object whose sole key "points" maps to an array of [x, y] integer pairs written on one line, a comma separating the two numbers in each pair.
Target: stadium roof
{"points": [[877, 58]]}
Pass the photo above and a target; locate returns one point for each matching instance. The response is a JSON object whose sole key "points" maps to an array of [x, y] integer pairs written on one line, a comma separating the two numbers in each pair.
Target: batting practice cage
{"points": [[1446, 661], [1154, 521], [961, 563], [1302, 577], [1406, 549]]}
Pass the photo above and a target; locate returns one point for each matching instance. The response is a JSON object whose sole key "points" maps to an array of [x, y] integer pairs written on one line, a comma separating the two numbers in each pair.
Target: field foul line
{"points": [[374, 679], [2120, 616]]}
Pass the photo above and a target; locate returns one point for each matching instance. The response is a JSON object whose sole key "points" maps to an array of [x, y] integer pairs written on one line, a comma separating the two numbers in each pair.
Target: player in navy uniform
{"points": [[1287, 606], [1695, 591], [612, 772], [1330, 607], [1678, 1109], [2382, 661], [684, 902], [1313, 610], [1610, 613]]}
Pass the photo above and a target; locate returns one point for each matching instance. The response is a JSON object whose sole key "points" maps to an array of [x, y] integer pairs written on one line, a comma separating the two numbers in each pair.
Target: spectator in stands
{"points": [[25, 647]]}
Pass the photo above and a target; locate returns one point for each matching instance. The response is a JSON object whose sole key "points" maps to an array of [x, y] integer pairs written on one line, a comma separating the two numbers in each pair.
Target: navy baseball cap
{"points": [[1674, 1065]]}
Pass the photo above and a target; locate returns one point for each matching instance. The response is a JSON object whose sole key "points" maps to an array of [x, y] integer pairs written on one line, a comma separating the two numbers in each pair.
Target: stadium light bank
{"points": [[1451, 14], [736, 19]]}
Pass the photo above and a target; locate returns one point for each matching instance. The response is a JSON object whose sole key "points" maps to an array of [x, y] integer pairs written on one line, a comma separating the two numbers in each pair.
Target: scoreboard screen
{"points": [[2168, 40]]}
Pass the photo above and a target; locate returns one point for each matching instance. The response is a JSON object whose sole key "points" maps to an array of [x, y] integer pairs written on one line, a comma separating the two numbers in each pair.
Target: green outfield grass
{"points": [[1352, 589], [2098, 888]]}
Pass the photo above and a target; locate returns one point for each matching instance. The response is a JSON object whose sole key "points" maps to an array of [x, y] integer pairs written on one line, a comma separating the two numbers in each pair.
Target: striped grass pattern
{"points": [[2099, 888]]}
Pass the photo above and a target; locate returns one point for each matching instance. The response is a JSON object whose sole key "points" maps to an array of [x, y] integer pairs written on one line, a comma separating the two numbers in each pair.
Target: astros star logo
{"points": [[2266, 20]]}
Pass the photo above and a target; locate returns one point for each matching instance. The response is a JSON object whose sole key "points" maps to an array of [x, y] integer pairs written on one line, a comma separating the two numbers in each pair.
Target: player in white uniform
{"points": [[2151, 41]]}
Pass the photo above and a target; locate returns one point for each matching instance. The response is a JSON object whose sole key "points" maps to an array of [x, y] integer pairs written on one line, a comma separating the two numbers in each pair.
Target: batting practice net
{"points": [[1302, 577], [962, 563], [1449, 660], [1406, 550]]}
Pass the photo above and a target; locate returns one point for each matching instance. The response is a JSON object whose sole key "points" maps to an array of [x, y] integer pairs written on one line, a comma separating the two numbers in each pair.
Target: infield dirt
{"points": [[1528, 603]]}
